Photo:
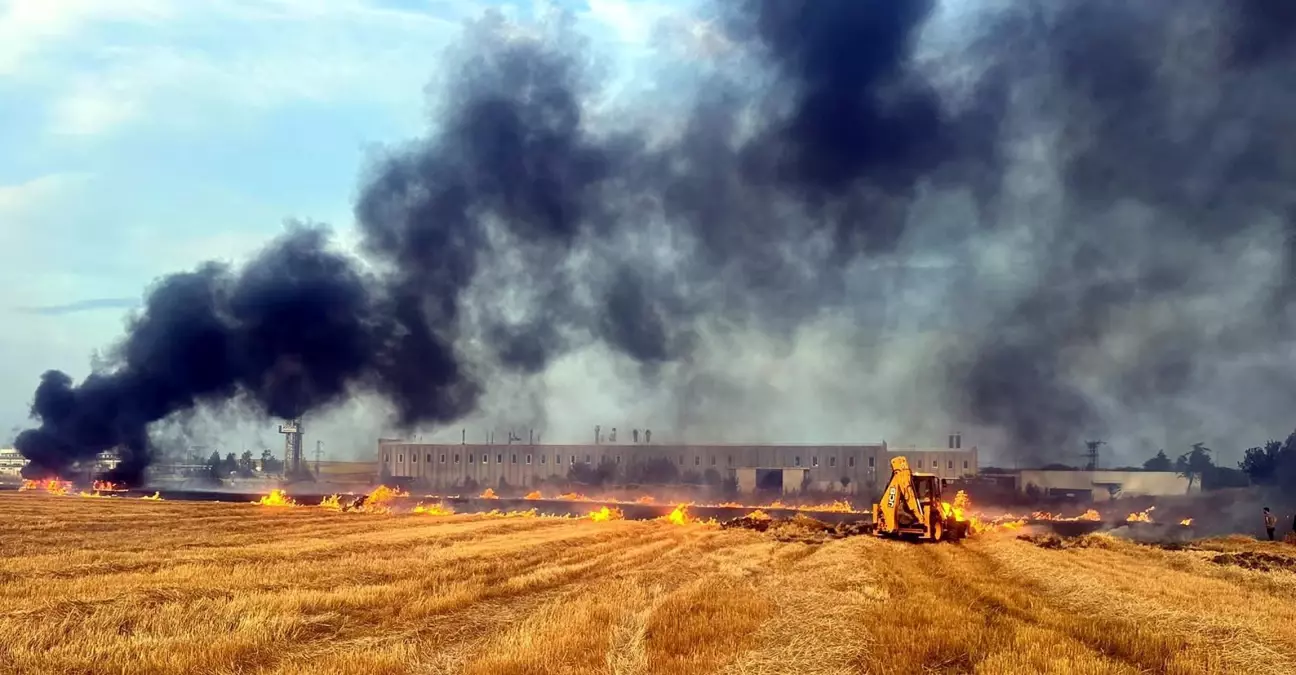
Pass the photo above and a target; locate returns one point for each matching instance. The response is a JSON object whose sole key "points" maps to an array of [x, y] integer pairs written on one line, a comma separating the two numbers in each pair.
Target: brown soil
{"points": [[1255, 560]]}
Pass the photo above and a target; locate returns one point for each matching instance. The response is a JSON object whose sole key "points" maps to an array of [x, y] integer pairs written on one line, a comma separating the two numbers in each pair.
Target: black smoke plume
{"points": [[1113, 159]]}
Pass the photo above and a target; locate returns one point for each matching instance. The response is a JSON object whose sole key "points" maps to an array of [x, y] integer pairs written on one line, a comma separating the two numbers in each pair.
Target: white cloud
{"points": [[102, 64], [28, 27]]}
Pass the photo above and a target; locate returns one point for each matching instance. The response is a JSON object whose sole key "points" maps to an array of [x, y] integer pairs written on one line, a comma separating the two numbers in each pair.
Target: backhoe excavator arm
{"points": [[899, 491]]}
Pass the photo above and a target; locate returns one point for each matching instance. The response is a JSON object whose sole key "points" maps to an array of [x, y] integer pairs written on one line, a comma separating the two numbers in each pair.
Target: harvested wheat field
{"points": [[137, 586]]}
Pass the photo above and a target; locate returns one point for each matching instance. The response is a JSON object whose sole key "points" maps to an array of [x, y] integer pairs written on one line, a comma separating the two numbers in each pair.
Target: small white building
{"points": [[11, 462], [1102, 485]]}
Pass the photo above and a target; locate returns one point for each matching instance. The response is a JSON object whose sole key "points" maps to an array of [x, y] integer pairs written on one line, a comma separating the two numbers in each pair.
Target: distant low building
{"points": [[849, 469], [1098, 485], [11, 462]]}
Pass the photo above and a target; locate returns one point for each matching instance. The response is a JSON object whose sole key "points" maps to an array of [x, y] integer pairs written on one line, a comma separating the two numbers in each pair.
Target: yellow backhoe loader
{"points": [[911, 507]]}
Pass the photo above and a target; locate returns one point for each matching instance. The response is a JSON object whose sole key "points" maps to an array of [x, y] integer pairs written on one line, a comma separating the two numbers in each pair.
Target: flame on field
{"points": [[1186, 522], [332, 502], [1141, 516], [573, 497], [380, 500], [96, 495], [605, 514], [53, 486], [155, 497], [488, 494], [437, 509], [1090, 514], [646, 499], [679, 516], [758, 515], [534, 494], [107, 486], [277, 497]]}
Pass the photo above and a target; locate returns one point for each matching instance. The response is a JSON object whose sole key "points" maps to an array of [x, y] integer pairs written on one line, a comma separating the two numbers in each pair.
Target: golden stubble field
{"points": [[131, 586]]}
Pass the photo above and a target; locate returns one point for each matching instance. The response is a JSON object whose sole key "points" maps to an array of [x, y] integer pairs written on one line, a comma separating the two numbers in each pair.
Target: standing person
{"points": [[1271, 522]]}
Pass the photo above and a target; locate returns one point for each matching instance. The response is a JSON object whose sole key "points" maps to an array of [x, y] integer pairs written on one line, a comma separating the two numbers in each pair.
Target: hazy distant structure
{"points": [[294, 462]]}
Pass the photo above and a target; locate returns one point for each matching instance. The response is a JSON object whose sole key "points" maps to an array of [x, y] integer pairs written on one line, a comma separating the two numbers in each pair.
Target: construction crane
{"points": [[911, 507]]}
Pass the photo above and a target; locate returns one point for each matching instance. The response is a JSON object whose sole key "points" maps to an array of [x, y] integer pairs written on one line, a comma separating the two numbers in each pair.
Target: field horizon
{"points": [[138, 586]]}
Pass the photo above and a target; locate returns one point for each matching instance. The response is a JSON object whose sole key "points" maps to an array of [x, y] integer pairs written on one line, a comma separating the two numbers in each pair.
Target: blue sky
{"points": [[140, 137]]}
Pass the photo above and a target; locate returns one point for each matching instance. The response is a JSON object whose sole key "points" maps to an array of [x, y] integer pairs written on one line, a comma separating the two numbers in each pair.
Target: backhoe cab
{"points": [[911, 507]]}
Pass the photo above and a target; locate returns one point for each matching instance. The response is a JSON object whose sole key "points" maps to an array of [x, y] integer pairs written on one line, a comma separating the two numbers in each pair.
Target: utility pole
{"points": [[1092, 454], [319, 450]]}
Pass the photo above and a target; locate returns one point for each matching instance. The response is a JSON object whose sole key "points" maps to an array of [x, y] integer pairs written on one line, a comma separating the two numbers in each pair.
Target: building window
{"points": [[814, 461], [965, 464], [920, 464], [386, 457], [499, 459], [587, 459], [573, 459], [485, 458], [832, 461], [443, 458], [713, 460], [456, 458], [528, 459], [470, 459], [951, 464], [429, 458], [542, 458], [697, 460], [400, 458], [850, 461], [515, 459], [681, 460], [414, 457], [730, 460], [618, 459]]}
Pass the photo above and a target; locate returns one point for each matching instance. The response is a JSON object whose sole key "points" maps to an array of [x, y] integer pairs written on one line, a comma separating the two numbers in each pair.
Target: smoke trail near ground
{"points": [[1037, 221]]}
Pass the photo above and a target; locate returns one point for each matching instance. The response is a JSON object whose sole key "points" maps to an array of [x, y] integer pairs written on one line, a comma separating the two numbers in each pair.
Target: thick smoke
{"points": [[1048, 219]]}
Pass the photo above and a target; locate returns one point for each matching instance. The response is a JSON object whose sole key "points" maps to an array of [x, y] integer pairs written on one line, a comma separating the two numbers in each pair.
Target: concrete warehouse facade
{"points": [[785, 467], [1099, 485]]}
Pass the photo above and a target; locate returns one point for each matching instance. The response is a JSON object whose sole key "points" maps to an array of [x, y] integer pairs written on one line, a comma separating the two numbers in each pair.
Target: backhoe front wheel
{"points": [[937, 529]]}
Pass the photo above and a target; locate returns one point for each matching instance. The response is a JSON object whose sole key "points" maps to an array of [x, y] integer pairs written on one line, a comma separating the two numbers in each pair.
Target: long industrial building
{"points": [[790, 468]]}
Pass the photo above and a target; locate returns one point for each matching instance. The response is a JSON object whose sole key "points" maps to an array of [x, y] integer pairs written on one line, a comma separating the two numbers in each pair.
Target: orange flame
{"points": [[1186, 522], [156, 497], [573, 497], [1141, 517], [94, 494], [758, 515], [434, 509], [679, 516], [107, 486], [332, 502], [277, 497], [838, 506], [605, 514], [53, 486], [646, 499], [534, 494], [488, 494]]}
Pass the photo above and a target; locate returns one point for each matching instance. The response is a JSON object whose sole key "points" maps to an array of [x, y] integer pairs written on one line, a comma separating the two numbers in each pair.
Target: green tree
{"points": [[1159, 463], [245, 464], [1194, 464], [214, 467], [1261, 464]]}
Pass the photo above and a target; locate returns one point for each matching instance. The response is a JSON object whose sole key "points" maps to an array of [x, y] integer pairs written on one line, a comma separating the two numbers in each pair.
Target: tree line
{"points": [[1273, 463]]}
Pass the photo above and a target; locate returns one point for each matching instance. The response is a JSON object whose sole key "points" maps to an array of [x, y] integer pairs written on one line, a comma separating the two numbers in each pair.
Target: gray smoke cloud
{"points": [[1034, 222]]}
